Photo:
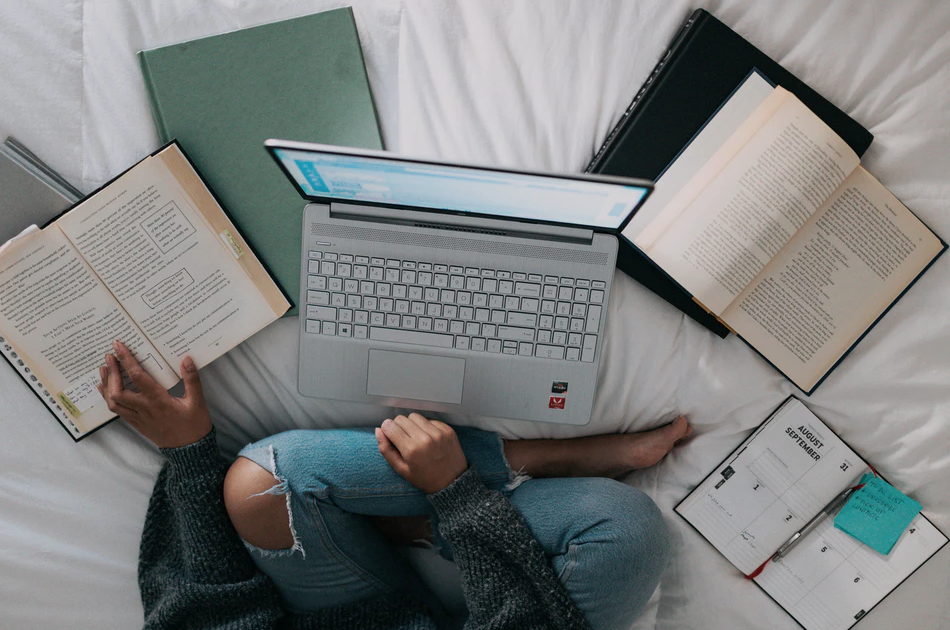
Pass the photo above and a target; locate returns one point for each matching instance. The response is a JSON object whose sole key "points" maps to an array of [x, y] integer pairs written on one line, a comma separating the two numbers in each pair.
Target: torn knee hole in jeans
{"points": [[279, 488], [516, 478]]}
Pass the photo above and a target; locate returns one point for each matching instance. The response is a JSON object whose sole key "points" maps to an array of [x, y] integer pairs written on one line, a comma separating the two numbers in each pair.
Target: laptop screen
{"points": [[375, 178]]}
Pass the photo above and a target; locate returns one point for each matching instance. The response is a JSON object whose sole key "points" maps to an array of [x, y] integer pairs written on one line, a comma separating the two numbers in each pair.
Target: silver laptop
{"points": [[450, 288]]}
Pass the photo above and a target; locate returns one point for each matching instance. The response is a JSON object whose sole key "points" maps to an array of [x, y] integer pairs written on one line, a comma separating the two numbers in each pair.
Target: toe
{"points": [[681, 429]]}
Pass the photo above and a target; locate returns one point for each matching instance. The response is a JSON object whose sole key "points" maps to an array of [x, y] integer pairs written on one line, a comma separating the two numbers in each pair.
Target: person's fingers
{"points": [[113, 375], [137, 375], [130, 415], [396, 433], [424, 424], [418, 436], [103, 380], [442, 427], [390, 454], [189, 373], [115, 392], [129, 400]]}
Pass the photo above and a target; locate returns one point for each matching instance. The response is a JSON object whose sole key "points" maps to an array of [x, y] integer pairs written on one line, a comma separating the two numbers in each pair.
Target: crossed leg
{"points": [[612, 455], [329, 496]]}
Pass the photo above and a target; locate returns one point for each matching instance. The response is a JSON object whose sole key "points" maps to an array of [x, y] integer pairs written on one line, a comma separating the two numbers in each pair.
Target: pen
{"points": [[836, 503]]}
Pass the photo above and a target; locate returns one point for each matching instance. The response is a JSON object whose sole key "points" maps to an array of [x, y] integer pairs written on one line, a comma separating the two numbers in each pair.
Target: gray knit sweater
{"points": [[195, 573]]}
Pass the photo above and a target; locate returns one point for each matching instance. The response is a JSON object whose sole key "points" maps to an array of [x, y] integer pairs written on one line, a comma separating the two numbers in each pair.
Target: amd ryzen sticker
{"points": [[559, 387], [556, 402]]}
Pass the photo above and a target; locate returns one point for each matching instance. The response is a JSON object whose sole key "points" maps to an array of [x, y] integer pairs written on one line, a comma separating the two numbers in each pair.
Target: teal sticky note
{"points": [[877, 514]]}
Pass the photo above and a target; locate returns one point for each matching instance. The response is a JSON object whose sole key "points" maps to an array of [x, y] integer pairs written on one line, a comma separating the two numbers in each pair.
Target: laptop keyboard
{"points": [[446, 306]]}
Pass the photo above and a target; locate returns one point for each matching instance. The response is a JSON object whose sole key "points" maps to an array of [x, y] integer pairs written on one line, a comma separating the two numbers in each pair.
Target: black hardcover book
{"points": [[150, 258], [704, 64]]}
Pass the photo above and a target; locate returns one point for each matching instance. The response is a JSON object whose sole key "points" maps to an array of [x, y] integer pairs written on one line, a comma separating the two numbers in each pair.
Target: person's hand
{"points": [[166, 421], [425, 452]]}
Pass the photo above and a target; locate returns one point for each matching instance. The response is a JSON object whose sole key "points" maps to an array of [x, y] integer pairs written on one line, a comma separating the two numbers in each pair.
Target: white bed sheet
{"points": [[533, 84]]}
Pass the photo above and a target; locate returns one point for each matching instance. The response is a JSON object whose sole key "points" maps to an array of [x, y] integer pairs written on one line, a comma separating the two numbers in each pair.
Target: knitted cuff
{"points": [[194, 459], [459, 498]]}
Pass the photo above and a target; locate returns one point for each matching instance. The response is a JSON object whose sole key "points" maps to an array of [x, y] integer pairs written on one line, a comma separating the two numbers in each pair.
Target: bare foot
{"points": [[646, 448], [608, 455]]}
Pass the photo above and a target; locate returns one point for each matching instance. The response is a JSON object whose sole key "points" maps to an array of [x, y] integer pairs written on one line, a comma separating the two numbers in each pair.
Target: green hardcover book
{"points": [[222, 96]]}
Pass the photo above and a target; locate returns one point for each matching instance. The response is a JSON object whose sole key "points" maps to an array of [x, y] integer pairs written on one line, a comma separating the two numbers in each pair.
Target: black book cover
{"points": [[706, 61]]}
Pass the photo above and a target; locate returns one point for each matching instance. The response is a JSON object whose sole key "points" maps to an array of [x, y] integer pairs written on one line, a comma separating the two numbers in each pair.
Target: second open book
{"points": [[150, 259], [768, 220]]}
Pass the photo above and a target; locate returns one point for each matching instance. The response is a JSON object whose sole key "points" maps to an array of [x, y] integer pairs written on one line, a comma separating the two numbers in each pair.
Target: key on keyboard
{"points": [[449, 306]]}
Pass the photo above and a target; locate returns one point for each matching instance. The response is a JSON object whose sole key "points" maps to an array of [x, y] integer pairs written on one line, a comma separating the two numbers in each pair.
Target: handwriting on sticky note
{"points": [[877, 514]]}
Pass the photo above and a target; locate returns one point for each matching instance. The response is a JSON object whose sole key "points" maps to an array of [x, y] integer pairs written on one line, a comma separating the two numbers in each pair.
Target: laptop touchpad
{"points": [[416, 376]]}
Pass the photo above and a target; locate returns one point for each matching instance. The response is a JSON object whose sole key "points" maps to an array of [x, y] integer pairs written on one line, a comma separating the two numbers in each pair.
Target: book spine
{"points": [[152, 98], [26, 158], [37, 387], [651, 81]]}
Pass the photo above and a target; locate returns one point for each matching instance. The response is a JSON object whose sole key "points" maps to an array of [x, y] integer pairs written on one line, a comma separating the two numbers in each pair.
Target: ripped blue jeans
{"points": [[607, 541]]}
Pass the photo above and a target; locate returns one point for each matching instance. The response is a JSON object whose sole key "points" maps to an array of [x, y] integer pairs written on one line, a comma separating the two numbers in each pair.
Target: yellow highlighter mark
{"points": [[69, 406], [232, 243]]}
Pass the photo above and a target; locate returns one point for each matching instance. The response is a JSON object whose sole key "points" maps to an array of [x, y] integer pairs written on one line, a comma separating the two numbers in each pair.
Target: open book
{"points": [[790, 468], [768, 220], [150, 259]]}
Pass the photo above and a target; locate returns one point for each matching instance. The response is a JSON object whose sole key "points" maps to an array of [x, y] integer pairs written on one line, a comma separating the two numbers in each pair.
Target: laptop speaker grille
{"points": [[458, 243], [455, 228]]}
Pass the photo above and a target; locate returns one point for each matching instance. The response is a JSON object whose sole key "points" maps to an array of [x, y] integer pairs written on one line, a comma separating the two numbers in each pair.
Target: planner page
{"points": [[773, 484], [829, 581]]}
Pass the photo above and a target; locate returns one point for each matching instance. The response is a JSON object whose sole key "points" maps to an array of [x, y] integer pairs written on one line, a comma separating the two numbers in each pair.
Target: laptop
{"points": [[452, 288]]}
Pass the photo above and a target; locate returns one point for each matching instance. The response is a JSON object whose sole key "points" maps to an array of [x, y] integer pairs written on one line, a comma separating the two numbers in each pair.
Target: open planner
{"points": [[770, 223], [150, 259], [783, 475]]}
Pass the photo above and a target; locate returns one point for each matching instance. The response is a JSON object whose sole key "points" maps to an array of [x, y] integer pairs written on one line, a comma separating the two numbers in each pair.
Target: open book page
{"points": [[720, 127], [61, 320], [770, 488], [748, 201], [172, 272], [829, 581], [205, 203], [833, 280]]}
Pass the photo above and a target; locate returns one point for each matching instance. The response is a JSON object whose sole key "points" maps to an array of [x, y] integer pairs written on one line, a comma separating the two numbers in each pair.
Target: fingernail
{"points": [[377, 433], [115, 344], [189, 364], [386, 422]]}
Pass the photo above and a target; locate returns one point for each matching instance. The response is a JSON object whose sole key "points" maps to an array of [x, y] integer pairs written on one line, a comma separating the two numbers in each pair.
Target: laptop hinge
{"points": [[462, 223]]}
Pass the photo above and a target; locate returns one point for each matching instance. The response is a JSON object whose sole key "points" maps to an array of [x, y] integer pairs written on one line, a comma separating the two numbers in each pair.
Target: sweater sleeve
{"points": [[193, 569], [507, 581]]}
